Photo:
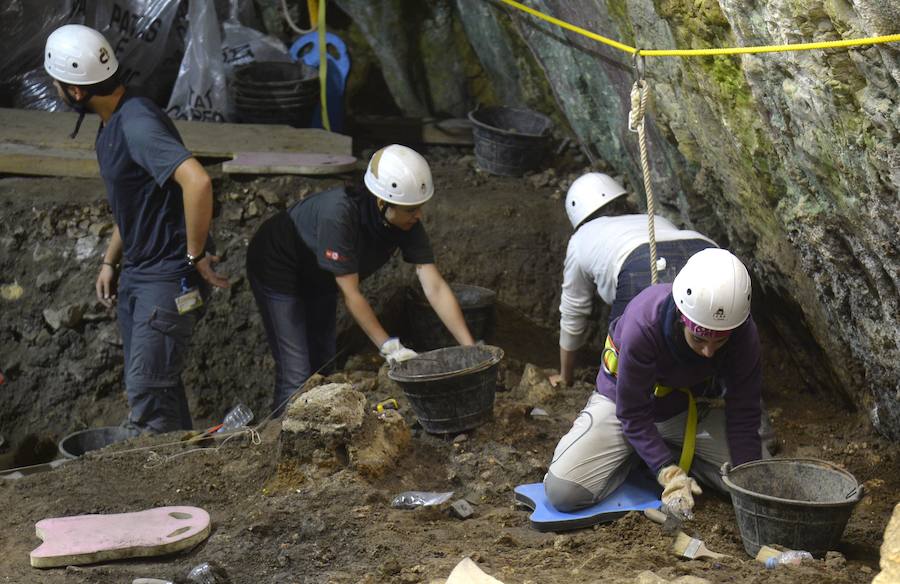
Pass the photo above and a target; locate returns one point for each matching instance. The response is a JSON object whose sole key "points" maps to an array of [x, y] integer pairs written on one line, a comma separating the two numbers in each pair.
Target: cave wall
{"points": [[789, 159], [61, 352]]}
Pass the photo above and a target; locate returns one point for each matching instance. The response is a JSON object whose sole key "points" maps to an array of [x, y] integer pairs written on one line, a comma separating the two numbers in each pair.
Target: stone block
{"points": [[68, 316], [318, 424], [383, 440], [461, 509], [534, 387], [890, 551]]}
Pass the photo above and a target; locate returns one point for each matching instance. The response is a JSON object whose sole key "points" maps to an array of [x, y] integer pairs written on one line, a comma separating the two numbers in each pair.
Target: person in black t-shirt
{"points": [[300, 258], [162, 201]]}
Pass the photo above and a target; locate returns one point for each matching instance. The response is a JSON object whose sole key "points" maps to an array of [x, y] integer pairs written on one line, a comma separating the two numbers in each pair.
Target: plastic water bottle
{"points": [[237, 417], [208, 573], [792, 557]]}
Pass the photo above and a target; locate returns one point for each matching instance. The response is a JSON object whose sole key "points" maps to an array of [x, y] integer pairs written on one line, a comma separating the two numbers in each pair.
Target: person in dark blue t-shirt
{"points": [[299, 259], [162, 202]]}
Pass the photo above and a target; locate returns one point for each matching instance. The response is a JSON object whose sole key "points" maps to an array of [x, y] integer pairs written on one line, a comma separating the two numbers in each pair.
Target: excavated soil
{"points": [[278, 523]]}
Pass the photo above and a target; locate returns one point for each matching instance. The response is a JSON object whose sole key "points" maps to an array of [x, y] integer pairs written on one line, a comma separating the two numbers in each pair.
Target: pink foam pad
{"points": [[87, 539]]}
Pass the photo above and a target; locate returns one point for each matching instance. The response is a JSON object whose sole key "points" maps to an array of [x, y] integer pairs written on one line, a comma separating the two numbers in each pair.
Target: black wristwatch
{"points": [[193, 259]]}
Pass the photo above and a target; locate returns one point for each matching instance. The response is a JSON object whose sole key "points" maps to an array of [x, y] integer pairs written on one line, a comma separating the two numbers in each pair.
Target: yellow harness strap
{"points": [[610, 361]]}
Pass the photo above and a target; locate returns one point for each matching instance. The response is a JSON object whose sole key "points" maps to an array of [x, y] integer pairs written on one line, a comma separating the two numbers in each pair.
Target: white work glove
{"points": [[394, 352], [678, 491]]}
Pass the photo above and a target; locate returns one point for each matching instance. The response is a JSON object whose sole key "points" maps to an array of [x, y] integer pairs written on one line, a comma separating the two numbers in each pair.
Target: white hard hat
{"points": [[400, 176], [79, 55], [713, 290], [588, 193]]}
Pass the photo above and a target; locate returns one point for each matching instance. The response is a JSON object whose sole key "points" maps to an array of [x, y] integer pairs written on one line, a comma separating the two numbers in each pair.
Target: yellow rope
{"points": [[892, 38], [323, 67]]}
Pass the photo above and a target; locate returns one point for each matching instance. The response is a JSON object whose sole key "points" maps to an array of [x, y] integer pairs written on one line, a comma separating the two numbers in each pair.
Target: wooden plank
{"points": [[385, 130], [21, 159], [288, 163], [454, 131], [51, 130]]}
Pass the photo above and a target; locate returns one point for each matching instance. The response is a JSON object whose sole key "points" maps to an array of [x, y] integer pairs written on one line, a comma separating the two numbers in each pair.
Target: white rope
{"points": [[639, 94], [290, 22]]}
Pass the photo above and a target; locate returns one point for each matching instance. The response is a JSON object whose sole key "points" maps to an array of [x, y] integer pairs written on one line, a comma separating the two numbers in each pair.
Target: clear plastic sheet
{"points": [[413, 499], [26, 25], [146, 35], [172, 51], [199, 92]]}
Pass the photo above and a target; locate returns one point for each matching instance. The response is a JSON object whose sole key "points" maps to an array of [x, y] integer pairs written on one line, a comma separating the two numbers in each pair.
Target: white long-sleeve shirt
{"points": [[594, 257]]}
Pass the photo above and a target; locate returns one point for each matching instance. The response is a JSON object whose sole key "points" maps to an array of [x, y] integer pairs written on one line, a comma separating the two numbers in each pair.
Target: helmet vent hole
{"points": [[688, 291], [49, 55], [394, 185], [573, 203], [74, 65]]}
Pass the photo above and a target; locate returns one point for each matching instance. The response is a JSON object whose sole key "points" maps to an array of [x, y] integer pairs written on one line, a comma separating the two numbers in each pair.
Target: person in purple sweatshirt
{"points": [[672, 358]]}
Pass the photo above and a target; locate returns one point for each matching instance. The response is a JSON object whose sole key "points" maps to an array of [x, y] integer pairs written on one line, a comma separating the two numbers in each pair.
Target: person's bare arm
{"points": [[106, 279], [196, 188], [566, 368], [444, 302], [360, 309]]}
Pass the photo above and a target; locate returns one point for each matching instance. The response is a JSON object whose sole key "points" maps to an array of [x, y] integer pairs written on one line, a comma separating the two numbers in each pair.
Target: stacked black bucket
{"points": [[276, 93]]}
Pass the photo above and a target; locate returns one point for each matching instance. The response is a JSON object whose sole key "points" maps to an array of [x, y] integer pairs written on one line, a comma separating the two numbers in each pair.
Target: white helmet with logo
{"points": [[713, 290], [400, 176], [79, 55], [588, 193]]}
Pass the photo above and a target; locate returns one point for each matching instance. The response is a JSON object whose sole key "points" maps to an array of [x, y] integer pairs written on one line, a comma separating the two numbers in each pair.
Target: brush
{"points": [[693, 548]]}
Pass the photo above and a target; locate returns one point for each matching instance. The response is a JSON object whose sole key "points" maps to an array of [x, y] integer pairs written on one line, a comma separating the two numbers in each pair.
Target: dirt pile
{"points": [[328, 518], [323, 520]]}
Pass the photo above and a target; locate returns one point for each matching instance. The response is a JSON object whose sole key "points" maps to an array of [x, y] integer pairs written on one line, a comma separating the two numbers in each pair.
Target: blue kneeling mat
{"points": [[637, 493]]}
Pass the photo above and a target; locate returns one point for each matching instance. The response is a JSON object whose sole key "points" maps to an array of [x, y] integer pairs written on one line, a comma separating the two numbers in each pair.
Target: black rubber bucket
{"points": [[275, 93], [77, 443], [798, 503], [278, 75], [426, 332], [509, 141], [450, 390]]}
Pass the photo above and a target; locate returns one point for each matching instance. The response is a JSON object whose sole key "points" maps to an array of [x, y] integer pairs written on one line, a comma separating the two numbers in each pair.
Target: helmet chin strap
{"points": [[79, 106], [383, 209]]}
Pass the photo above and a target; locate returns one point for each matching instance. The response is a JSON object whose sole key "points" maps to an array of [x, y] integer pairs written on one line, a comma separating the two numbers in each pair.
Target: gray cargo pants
{"points": [[594, 457], [156, 340]]}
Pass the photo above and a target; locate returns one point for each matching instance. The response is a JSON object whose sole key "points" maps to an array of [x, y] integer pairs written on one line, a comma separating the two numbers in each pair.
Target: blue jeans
{"points": [[156, 340], [634, 275], [301, 334]]}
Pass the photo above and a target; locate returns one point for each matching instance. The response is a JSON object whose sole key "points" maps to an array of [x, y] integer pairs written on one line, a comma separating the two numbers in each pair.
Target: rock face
{"points": [[789, 159]]}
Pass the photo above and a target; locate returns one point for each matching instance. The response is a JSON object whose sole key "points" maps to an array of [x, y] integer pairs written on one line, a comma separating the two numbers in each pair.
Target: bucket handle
{"points": [[856, 492], [726, 468]]}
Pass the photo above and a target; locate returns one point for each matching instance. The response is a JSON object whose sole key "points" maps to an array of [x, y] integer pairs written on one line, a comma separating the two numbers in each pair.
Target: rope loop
{"points": [[636, 115], [637, 62]]}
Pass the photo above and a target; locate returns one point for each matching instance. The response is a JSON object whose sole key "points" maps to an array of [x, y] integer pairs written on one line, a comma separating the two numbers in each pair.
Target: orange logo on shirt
{"points": [[335, 256]]}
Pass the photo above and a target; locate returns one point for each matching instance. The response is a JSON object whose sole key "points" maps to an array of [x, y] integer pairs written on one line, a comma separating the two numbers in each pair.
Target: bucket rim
{"points": [[241, 73], [480, 124], [70, 456], [733, 488], [496, 355]]}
